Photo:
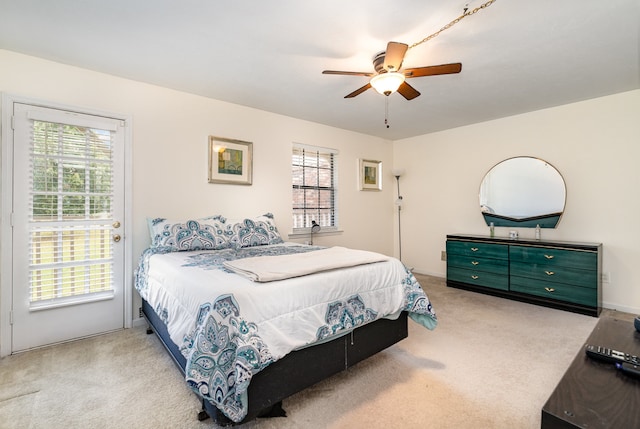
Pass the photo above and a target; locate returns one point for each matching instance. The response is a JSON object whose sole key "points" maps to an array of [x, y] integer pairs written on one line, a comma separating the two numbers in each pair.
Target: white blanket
{"points": [[271, 268]]}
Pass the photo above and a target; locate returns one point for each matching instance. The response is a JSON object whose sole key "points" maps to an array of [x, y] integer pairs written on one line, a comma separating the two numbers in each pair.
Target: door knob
{"points": [[116, 238], [116, 224]]}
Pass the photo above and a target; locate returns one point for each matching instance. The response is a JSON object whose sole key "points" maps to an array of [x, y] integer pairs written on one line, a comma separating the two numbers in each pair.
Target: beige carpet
{"points": [[491, 363]]}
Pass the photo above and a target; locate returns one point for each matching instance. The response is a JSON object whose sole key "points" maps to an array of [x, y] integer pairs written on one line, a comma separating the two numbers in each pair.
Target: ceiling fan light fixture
{"points": [[387, 83]]}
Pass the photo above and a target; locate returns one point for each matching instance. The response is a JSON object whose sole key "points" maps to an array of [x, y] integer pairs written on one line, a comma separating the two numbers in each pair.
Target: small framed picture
{"points": [[370, 175], [230, 161]]}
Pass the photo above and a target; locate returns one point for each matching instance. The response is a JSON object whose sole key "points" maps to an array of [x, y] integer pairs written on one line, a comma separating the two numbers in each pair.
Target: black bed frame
{"points": [[299, 369]]}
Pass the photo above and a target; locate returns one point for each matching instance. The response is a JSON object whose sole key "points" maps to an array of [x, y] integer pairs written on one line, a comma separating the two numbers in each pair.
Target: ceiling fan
{"points": [[388, 78]]}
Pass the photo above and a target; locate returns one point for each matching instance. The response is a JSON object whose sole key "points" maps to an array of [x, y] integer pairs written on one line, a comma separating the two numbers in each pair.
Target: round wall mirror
{"points": [[523, 192]]}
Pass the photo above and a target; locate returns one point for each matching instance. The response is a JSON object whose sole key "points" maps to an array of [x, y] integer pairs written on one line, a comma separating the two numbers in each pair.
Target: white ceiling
{"points": [[517, 56]]}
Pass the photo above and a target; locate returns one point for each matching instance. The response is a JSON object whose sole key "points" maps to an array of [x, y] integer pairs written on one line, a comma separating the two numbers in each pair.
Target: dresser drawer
{"points": [[497, 266], [555, 274], [557, 291], [483, 250], [551, 257], [478, 278]]}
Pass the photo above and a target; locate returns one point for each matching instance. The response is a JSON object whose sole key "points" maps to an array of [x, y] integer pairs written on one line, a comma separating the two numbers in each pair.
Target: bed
{"points": [[250, 319]]}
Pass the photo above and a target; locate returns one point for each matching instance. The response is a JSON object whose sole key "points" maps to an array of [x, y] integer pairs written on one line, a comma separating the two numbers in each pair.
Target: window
{"points": [[314, 187], [71, 251]]}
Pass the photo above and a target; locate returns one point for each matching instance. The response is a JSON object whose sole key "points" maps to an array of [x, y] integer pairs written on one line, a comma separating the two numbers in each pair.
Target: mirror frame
{"points": [[549, 220]]}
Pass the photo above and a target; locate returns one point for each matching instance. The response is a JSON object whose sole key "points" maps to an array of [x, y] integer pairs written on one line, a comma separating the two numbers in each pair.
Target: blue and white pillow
{"points": [[258, 231], [192, 234]]}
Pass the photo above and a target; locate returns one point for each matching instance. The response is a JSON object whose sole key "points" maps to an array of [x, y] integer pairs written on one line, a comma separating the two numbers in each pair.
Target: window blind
{"points": [[70, 211], [314, 186]]}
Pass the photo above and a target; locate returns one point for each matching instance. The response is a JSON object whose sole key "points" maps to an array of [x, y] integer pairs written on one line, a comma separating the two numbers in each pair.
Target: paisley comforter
{"points": [[230, 328]]}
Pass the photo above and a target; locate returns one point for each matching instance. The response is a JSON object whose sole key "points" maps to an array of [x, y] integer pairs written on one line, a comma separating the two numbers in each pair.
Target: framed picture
{"points": [[230, 161], [370, 175]]}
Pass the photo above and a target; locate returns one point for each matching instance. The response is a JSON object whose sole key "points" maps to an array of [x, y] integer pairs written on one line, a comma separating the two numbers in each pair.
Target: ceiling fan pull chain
{"points": [[386, 111]]}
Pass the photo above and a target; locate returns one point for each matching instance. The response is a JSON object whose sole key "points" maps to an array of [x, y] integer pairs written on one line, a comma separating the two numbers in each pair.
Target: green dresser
{"points": [[563, 275]]}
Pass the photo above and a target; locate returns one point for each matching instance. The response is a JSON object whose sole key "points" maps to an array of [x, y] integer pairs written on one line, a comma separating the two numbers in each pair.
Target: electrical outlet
{"points": [[443, 255], [140, 312], [606, 277]]}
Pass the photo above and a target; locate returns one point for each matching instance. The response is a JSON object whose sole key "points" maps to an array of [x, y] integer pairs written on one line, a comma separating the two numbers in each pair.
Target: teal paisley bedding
{"points": [[229, 328]]}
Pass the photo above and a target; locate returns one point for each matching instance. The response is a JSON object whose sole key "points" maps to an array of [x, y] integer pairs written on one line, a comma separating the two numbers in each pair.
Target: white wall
{"points": [[170, 144], [594, 144]]}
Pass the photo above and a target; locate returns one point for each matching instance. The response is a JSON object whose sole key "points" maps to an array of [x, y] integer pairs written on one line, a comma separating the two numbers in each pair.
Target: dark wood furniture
{"points": [[299, 369], [592, 394], [559, 274]]}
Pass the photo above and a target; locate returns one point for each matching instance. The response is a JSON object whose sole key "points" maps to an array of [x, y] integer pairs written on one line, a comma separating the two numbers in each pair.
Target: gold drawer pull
{"points": [[474, 277], [474, 262], [549, 289], [549, 273], [474, 249], [548, 256]]}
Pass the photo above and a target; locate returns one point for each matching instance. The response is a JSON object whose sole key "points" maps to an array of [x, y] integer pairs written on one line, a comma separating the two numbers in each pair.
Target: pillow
{"points": [[258, 231], [191, 234]]}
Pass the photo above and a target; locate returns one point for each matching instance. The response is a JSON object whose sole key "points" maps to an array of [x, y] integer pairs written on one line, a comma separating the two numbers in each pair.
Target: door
{"points": [[67, 219]]}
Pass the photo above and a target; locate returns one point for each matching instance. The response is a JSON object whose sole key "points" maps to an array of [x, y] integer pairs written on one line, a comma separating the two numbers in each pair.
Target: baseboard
{"points": [[620, 307], [138, 322], [428, 273]]}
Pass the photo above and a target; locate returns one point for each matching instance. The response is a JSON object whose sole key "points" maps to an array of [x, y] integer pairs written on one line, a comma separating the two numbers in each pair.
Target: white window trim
{"points": [[301, 233]]}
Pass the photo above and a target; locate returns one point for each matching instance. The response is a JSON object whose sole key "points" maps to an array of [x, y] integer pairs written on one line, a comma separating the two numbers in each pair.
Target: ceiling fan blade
{"points": [[433, 70], [358, 91], [407, 91], [394, 56], [347, 73]]}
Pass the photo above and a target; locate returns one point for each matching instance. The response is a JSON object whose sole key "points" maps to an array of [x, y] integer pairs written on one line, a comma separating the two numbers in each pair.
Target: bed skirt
{"points": [[299, 369]]}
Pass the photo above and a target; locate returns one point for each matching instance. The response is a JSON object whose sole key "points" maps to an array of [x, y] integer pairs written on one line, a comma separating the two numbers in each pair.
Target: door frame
{"points": [[6, 207]]}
